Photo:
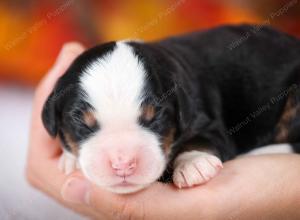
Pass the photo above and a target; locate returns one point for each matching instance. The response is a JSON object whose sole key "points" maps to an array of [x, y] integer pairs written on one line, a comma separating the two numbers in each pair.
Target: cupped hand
{"points": [[261, 187]]}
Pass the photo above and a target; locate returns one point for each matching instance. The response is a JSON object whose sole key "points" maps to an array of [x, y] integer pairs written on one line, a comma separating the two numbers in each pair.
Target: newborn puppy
{"points": [[129, 113]]}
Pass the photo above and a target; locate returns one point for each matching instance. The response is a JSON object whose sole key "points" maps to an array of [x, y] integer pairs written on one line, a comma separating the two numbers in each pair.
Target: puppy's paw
{"points": [[195, 168], [68, 163]]}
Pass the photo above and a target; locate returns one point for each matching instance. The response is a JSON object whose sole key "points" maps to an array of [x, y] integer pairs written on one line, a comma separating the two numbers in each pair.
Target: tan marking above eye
{"points": [[89, 118], [148, 112]]}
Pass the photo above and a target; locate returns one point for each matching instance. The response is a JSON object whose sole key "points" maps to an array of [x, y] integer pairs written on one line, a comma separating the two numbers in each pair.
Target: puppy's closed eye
{"points": [[148, 113], [89, 119]]}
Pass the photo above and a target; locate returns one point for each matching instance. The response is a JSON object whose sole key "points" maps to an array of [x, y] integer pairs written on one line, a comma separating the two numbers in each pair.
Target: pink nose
{"points": [[123, 167]]}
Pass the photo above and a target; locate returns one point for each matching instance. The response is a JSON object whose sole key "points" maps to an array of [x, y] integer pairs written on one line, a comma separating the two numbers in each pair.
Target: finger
{"points": [[41, 145], [67, 55], [79, 191]]}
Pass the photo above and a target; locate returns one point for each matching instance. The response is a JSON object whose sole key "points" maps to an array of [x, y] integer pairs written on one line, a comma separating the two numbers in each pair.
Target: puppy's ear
{"points": [[185, 112], [49, 117], [192, 114]]}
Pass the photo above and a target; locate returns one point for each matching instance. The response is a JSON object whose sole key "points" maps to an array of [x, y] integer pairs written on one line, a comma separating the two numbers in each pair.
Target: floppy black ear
{"points": [[49, 115], [185, 109], [195, 115]]}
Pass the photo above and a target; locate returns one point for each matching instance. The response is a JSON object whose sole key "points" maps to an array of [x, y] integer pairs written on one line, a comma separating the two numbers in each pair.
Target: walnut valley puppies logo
{"points": [[166, 95], [257, 28], [262, 109], [147, 26], [50, 16], [61, 9]]}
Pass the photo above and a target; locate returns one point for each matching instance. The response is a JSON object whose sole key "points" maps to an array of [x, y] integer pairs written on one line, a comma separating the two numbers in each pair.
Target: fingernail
{"points": [[76, 190], [69, 49]]}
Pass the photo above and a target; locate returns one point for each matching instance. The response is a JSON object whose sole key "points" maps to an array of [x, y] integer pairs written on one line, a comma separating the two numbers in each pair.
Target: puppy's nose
{"points": [[123, 167]]}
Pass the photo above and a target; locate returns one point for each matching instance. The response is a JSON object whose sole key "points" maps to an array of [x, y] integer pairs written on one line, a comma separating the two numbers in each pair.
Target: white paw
{"points": [[68, 163], [195, 168]]}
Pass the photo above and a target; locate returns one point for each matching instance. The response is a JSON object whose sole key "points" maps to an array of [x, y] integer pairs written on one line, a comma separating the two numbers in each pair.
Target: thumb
{"points": [[78, 190]]}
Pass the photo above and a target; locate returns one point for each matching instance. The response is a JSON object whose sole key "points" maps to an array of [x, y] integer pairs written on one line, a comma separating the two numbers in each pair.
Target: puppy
{"points": [[129, 113]]}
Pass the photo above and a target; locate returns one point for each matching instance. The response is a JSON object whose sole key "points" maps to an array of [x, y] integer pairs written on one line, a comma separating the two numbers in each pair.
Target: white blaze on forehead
{"points": [[114, 84]]}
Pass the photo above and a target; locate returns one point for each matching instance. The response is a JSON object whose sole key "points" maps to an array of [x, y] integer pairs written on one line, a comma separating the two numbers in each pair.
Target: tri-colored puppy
{"points": [[129, 113]]}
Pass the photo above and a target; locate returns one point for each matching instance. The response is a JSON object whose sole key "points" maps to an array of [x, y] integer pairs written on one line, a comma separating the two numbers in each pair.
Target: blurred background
{"points": [[33, 31]]}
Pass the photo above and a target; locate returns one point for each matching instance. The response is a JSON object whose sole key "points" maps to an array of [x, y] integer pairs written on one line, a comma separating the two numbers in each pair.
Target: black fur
{"points": [[218, 97], [219, 88]]}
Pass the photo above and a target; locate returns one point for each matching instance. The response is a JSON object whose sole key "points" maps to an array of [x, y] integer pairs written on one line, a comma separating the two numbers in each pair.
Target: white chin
{"points": [[126, 189]]}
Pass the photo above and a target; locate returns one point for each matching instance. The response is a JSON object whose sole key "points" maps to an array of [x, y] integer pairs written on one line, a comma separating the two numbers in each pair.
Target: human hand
{"points": [[262, 187]]}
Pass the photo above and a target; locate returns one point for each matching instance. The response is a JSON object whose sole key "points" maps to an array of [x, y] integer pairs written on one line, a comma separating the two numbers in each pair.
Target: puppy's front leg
{"points": [[68, 163], [195, 167]]}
